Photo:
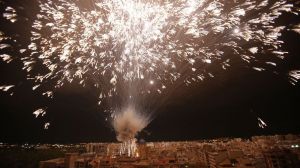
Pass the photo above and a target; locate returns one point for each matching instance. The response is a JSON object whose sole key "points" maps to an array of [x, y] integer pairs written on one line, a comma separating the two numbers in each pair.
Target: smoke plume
{"points": [[128, 123]]}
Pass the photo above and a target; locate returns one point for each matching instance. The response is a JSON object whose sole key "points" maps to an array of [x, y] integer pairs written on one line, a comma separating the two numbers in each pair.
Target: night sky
{"points": [[224, 106]]}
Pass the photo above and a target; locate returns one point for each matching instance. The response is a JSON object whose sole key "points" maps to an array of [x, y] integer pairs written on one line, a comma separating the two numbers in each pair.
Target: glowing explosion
{"points": [[145, 44], [127, 123]]}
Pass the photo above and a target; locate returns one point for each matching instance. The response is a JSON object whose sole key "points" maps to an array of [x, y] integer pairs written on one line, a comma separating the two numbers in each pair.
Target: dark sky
{"points": [[225, 106]]}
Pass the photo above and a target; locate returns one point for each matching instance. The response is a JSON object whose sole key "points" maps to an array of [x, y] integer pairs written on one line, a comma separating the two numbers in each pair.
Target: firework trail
{"points": [[132, 48]]}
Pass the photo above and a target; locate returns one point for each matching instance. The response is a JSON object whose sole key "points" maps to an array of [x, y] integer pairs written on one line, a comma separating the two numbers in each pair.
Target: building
{"points": [[53, 163], [281, 158], [278, 151]]}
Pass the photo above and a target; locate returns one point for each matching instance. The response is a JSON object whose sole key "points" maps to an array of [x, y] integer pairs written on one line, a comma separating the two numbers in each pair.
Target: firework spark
{"points": [[10, 14], [128, 41], [261, 123], [5, 88], [39, 112], [294, 76]]}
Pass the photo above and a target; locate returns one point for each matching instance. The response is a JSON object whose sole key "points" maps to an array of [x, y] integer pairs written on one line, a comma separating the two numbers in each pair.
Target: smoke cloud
{"points": [[128, 123]]}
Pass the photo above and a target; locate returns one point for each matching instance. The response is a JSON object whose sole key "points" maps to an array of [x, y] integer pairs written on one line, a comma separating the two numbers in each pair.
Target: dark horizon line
{"points": [[160, 140]]}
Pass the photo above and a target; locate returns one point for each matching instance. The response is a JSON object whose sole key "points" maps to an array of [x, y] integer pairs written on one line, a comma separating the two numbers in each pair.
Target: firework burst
{"points": [[118, 44]]}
